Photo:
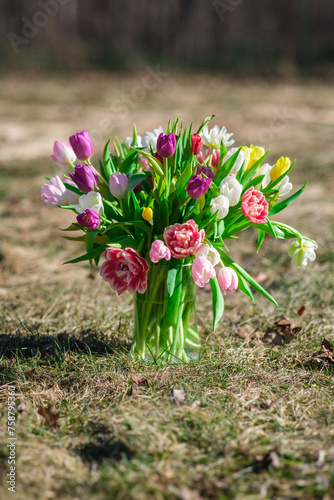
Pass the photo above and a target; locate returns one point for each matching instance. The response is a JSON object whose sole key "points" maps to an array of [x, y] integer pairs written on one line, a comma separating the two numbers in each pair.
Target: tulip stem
{"points": [[166, 175]]}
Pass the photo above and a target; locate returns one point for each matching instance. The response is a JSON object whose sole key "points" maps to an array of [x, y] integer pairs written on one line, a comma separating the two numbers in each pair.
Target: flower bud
{"points": [[90, 219], [166, 145], [232, 189], [82, 145], [118, 184], [147, 214], [253, 154], [302, 252], [159, 251], [280, 167], [196, 144], [202, 271], [220, 205], [197, 186], [85, 178], [227, 279], [63, 153]]}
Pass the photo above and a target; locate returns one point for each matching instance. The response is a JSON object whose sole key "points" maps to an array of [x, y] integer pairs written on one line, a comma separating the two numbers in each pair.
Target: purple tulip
{"points": [[85, 178], [166, 145], [207, 171], [82, 145], [89, 219], [197, 186]]}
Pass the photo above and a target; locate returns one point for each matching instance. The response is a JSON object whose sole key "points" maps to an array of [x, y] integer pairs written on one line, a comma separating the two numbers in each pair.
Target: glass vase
{"points": [[165, 329]]}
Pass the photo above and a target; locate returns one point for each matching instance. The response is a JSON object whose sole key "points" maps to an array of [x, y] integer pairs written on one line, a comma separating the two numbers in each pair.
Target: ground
{"points": [[257, 420]]}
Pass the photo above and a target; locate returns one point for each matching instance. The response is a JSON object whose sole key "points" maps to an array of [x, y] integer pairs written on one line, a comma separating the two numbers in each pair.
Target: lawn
{"points": [[256, 420]]}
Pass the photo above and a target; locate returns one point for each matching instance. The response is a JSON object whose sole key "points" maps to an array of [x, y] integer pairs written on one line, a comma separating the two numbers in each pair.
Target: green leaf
{"points": [[136, 179], [281, 205], [153, 162], [107, 164], [89, 256], [260, 239], [183, 179], [129, 162], [171, 276], [244, 288], [217, 302], [73, 188], [73, 227], [240, 271], [205, 122], [224, 169]]}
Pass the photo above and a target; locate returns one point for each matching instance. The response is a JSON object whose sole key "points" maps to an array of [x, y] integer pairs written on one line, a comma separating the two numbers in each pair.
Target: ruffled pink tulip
{"points": [[63, 153], [254, 206], [159, 251], [202, 271], [227, 279], [52, 193], [184, 239], [125, 270]]}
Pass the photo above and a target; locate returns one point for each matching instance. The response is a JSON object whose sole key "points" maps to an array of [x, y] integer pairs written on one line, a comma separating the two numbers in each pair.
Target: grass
{"points": [[257, 420]]}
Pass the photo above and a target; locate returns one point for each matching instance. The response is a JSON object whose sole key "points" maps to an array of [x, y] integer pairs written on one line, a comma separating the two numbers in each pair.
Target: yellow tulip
{"points": [[253, 154], [280, 167], [147, 214]]}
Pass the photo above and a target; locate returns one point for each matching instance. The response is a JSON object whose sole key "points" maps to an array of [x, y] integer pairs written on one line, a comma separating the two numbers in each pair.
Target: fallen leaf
{"points": [[50, 416], [326, 355], [301, 311], [177, 396], [140, 380], [31, 373], [283, 332]]}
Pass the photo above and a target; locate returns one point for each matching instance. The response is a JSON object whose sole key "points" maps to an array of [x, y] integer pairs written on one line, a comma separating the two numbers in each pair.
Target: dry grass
{"points": [[118, 440]]}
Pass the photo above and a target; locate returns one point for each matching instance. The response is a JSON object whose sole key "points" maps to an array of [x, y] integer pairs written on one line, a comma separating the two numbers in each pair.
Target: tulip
{"points": [[253, 154], [232, 189], [210, 253], [183, 239], [159, 251], [197, 186], [118, 184], [92, 200], [166, 145], [90, 219], [214, 137], [254, 206], [220, 205], [202, 271], [82, 145], [63, 153], [196, 144], [281, 166], [238, 162], [53, 193], [227, 279], [85, 178], [147, 214], [302, 252]]}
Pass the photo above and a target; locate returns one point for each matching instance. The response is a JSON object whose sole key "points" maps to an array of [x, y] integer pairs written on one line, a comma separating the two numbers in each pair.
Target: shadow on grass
{"points": [[53, 348], [104, 446]]}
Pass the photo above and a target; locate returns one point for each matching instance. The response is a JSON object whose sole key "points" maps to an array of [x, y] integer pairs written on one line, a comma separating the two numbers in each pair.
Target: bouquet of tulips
{"points": [[161, 209]]}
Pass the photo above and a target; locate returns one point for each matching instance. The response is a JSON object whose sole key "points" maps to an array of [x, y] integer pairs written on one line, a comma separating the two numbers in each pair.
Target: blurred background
{"points": [[264, 68]]}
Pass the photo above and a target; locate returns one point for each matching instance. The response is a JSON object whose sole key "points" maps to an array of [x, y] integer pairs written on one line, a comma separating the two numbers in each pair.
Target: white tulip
{"points": [[302, 252], [231, 188], [210, 253], [220, 205], [92, 200], [284, 186], [150, 139], [213, 138], [238, 162]]}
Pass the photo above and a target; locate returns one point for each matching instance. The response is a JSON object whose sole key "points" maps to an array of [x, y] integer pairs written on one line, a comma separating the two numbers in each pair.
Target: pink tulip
{"points": [[202, 271], [214, 158], [254, 206], [118, 184], [227, 279], [184, 239], [125, 270], [159, 251], [53, 192], [63, 153]]}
